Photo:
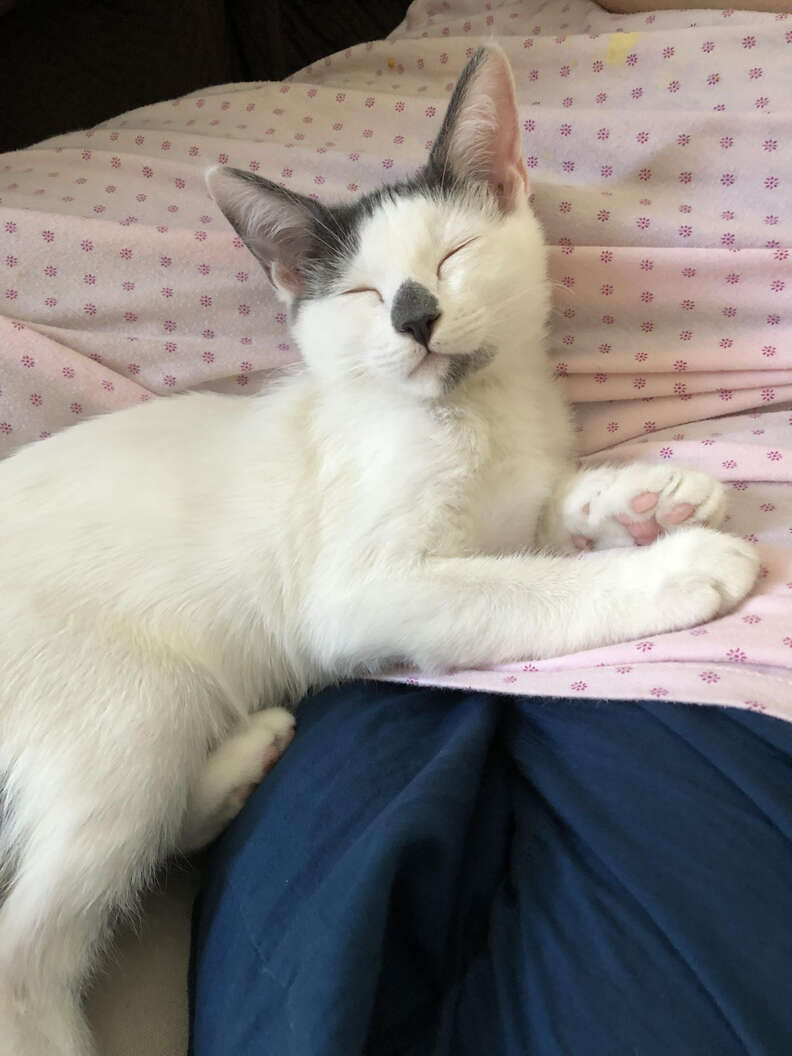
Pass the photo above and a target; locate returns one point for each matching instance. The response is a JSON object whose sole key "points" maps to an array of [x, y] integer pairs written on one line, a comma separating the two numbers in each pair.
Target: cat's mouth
{"points": [[429, 363]]}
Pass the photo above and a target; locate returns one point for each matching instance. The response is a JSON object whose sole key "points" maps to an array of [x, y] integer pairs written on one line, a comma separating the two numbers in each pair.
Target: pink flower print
{"points": [[606, 256], [683, 139], [612, 427], [605, 349], [666, 452], [709, 676], [606, 171], [749, 42], [761, 102], [89, 309], [568, 166], [737, 656], [369, 102], [598, 66], [739, 485], [658, 691], [632, 59], [603, 215], [754, 705], [387, 163], [688, 305], [644, 647], [685, 335], [649, 427], [641, 357], [636, 93], [205, 301], [643, 222], [729, 311], [578, 686], [75, 408], [606, 289], [166, 291], [562, 369], [685, 177], [623, 669], [569, 339], [777, 285], [679, 388], [287, 172], [727, 179], [509, 678], [170, 347], [768, 350], [600, 378], [608, 320], [729, 463], [565, 130], [774, 456], [35, 399], [647, 326], [768, 395], [603, 134], [788, 641], [727, 214], [726, 394], [751, 618], [673, 86], [208, 334], [565, 71], [11, 262]]}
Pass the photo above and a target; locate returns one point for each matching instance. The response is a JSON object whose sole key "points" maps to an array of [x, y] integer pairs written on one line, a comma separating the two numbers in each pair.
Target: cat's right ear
{"points": [[275, 224]]}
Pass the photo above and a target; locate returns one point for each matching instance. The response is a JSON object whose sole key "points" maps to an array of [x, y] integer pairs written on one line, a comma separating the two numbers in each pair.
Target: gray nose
{"points": [[415, 310]]}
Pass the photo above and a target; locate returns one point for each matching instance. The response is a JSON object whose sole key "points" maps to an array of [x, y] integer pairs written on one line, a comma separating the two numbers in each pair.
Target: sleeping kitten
{"points": [[172, 572]]}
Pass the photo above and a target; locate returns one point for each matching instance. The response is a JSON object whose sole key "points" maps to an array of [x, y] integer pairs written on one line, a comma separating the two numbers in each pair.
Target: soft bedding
{"points": [[429, 873], [660, 147]]}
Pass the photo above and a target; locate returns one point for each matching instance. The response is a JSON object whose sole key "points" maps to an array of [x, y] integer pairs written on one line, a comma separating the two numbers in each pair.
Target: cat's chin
{"points": [[428, 376]]}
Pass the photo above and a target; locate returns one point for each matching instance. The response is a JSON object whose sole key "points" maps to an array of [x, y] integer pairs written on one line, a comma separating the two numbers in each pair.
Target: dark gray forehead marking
{"points": [[413, 302]]}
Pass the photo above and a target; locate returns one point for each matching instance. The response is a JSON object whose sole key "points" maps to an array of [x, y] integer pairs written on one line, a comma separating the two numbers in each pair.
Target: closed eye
{"points": [[452, 253], [363, 289]]}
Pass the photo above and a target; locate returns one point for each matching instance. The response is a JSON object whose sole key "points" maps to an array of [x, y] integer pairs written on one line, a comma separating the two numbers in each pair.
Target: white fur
{"points": [[173, 568]]}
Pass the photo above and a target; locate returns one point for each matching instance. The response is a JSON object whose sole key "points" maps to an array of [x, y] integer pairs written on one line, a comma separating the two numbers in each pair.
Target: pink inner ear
{"points": [[486, 142]]}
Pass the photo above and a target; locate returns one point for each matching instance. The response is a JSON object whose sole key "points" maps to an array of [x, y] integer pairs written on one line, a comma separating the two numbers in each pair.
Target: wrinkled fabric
{"points": [[450, 874], [659, 147]]}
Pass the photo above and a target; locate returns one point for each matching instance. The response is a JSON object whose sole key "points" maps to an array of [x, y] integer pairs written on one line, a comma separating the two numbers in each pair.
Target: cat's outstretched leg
{"points": [[441, 613], [231, 772], [630, 505]]}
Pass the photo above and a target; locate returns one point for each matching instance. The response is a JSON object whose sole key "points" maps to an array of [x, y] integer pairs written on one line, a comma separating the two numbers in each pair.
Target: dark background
{"points": [[68, 64]]}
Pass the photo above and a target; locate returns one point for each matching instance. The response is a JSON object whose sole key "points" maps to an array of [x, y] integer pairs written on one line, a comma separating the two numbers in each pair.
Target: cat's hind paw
{"points": [[637, 503]]}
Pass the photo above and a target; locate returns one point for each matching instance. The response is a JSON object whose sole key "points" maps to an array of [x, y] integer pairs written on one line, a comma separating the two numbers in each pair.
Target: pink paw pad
{"points": [[646, 531]]}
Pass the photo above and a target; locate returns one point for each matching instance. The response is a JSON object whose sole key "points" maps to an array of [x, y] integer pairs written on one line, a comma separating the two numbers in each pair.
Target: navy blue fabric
{"points": [[428, 873]]}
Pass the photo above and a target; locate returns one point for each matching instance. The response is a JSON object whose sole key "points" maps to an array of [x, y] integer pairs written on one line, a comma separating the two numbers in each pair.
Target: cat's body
{"points": [[173, 569]]}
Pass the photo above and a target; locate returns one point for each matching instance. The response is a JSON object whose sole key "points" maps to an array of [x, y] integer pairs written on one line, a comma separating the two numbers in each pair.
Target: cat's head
{"points": [[419, 284]]}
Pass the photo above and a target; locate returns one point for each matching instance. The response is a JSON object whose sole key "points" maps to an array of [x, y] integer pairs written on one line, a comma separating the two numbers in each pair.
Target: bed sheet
{"points": [[659, 147]]}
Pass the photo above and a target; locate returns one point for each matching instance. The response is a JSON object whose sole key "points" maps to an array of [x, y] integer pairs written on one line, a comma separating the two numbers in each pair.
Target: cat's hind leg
{"points": [[231, 772], [633, 505]]}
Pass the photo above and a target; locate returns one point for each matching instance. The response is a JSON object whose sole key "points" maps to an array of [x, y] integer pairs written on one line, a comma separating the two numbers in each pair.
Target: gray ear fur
{"points": [[480, 138]]}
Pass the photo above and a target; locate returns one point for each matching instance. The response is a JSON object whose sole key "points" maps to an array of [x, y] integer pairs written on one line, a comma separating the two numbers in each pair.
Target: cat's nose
{"points": [[415, 310]]}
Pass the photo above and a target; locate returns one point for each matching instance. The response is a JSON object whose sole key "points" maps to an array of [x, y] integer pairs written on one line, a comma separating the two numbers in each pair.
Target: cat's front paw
{"points": [[634, 505], [698, 574]]}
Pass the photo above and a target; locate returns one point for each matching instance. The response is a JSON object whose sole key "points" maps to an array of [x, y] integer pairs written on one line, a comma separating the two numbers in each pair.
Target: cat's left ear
{"points": [[480, 138], [276, 225]]}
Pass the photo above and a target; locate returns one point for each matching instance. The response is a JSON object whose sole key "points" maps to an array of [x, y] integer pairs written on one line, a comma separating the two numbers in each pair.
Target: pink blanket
{"points": [[661, 151]]}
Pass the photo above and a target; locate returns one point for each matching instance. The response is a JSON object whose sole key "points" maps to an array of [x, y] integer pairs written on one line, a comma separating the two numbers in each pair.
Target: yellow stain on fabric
{"points": [[619, 47]]}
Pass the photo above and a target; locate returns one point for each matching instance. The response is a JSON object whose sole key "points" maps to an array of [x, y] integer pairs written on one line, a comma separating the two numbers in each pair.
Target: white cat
{"points": [[409, 495]]}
